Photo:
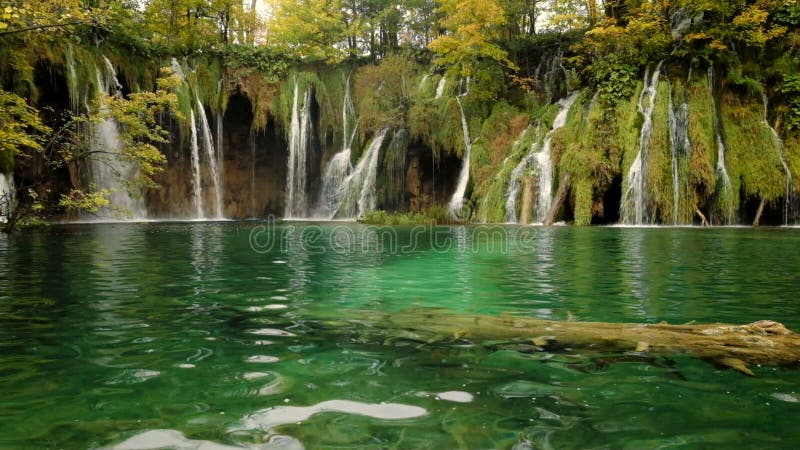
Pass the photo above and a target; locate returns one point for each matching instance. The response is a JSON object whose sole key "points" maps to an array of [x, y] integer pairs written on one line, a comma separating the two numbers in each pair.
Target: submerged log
{"points": [[736, 346]]}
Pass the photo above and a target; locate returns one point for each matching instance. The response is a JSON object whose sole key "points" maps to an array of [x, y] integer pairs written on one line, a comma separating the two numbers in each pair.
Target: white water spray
{"points": [[457, 201], [110, 170], [544, 168], [440, 87], [634, 209], [208, 146], [299, 135], [8, 193], [197, 188], [359, 188], [782, 155]]}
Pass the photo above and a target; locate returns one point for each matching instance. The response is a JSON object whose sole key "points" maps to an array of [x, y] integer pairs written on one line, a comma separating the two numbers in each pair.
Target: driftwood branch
{"points": [[735, 346]]}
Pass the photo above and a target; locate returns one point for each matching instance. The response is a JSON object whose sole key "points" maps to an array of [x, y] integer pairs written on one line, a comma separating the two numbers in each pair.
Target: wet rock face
{"points": [[416, 199], [253, 170]]}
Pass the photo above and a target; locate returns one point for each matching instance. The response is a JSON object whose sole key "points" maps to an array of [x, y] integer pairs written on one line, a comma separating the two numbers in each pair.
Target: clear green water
{"points": [[108, 331]]}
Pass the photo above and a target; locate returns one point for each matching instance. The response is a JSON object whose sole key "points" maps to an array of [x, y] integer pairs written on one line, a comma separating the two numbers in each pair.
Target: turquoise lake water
{"points": [[216, 335]]}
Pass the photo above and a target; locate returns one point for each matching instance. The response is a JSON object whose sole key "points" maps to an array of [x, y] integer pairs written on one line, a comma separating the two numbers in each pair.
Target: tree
{"points": [[473, 28], [311, 30], [51, 16], [24, 136]]}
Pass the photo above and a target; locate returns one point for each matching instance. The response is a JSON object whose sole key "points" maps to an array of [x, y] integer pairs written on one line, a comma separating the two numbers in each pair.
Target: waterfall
{"points": [[544, 160], [299, 135], [208, 146], [782, 155], [110, 170], [422, 81], [544, 168], [457, 201], [220, 160], [633, 210], [680, 146], [358, 195], [440, 87], [722, 171], [7, 196], [218, 119], [339, 167], [72, 80], [197, 188], [177, 69]]}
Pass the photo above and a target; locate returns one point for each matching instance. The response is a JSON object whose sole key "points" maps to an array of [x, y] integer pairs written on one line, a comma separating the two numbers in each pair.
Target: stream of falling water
{"points": [[7, 196], [208, 146], [544, 168], [680, 147], [633, 210], [782, 155], [109, 170], [722, 172], [197, 188], [457, 201], [299, 135], [359, 187], [440, 87], [339, 167]]}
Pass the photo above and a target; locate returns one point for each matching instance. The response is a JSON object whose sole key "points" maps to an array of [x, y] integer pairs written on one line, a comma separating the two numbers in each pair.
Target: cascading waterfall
{"points": [[544, 168], [7, 196], [208, 146], [197, 188], [680, 147], [423, 80], [722, 171], [440, 87], [359, 187], [457, 201], [782, 155], [633, 210], [72, 80], [544, 160], [515, 183], [218, 119], [339, 167], [109, 169], [299, 135]]}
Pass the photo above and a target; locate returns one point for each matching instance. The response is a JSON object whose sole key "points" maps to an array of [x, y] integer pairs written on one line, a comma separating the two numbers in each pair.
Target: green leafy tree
{"points": [[473, 32], [23, 136]]}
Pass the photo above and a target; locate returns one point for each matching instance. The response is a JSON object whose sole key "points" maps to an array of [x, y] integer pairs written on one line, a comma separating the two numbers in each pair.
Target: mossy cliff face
{"points": [[421, 159]]}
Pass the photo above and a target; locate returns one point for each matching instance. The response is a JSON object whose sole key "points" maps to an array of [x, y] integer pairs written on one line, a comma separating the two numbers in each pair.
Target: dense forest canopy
{"points": [[602, 47]]}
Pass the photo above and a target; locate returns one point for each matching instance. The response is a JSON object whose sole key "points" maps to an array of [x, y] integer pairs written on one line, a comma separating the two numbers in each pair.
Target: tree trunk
{"points": [[526, 214], [561, 196], [759, 212], [735, 346]]}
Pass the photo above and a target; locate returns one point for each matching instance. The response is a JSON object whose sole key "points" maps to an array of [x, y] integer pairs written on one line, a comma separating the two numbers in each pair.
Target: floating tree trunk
{"points": [[764, 342], [561, 197]]}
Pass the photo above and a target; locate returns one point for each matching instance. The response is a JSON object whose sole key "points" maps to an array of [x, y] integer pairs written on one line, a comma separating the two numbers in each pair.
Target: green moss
{"points": [[700, 172], [591, 145], [583, 198], [791, 148], [659, 160], [434, 215], [753, 157]]}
